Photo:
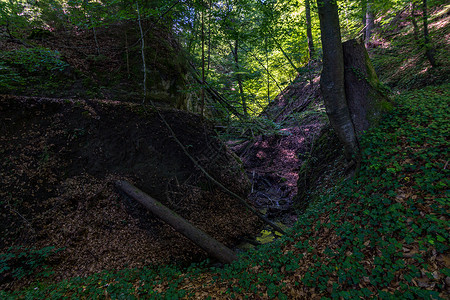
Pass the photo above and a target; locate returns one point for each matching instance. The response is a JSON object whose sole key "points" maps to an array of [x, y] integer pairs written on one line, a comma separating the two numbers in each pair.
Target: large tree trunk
{"points": [[365, 100], [200, 238], [332, 78], [308, 30]]}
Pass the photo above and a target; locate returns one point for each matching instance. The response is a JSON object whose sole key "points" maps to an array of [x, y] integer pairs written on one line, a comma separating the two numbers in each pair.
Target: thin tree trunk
{"points": [[267, 68], [127, 54], [199, 237], [364, 21], [209, 38], [202, 95], [284, 53], [96, 41], [238, 77], [193, 36], [332, 78], [89, 20], [414, 21], [142, 52], [215, 95], [369, 22], [429, 50], [308, 30], [263, 66]]}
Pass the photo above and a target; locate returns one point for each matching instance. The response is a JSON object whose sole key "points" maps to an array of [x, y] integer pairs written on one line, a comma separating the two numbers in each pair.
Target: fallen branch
{"points": [[199, 237], [221, 186]]}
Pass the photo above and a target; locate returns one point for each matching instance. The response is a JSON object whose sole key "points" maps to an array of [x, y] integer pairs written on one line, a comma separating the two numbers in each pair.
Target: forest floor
{"points": [[383, 233]]}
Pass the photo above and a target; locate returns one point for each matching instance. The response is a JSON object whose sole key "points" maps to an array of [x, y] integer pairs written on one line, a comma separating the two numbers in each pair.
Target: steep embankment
{"points": [[59, 160]]}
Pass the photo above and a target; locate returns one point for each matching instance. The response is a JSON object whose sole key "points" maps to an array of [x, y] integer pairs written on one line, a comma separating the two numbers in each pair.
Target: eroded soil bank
{"points": [[60, 158]]}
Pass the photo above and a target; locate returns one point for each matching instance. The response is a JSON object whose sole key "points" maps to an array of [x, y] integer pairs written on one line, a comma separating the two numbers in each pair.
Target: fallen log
{"points": [[200, 238]]}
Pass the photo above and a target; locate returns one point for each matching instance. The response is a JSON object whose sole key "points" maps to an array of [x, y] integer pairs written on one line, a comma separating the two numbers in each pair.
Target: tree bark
{"points": [[429, 50], [127, 53], [209, 37], [365, 100], [308, 30], [332, 78], [96, 40], [413, 20], [369, 22], [200, 238], [364, 11], [142, 52], [202, 101], [238, 77]]}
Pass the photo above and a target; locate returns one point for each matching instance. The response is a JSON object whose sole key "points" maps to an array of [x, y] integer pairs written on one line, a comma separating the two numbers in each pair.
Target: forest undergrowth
{"points": [[382, 234]]}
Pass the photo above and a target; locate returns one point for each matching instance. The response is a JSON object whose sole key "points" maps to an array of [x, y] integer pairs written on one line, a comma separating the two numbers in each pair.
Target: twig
{"points": [[17, 213]]}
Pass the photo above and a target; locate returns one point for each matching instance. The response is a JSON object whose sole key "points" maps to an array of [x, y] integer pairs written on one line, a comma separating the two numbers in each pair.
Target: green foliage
{"points": [[19, 262], [9, 77], [30, 66], [18, 17], [33, 60], [378, 219], [251, 128]]}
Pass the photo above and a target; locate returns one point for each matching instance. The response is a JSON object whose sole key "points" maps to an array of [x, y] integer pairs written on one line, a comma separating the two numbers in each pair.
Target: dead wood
{"points": [[200, 238]]}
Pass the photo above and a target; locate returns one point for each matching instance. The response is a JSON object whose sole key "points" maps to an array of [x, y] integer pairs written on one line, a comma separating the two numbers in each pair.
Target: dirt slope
{"points": [[59, 160]]}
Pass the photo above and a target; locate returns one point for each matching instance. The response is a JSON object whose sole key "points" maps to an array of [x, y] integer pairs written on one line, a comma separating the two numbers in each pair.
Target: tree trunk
{"points": [[364, 11], [284, 53], [369, 22], [429, 50], [142, 52], [308, 30], [200, 238], [209, 38], [238, 77], [202, 97], [365, 100], [413, 20], [127, 53], [268, 73], [332, 78], [96, 40]]}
